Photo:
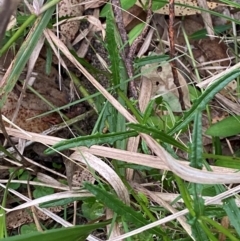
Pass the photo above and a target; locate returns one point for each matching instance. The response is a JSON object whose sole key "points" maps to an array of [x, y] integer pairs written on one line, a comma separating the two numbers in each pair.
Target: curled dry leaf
{"points": [[69, 8], [105, 171]]}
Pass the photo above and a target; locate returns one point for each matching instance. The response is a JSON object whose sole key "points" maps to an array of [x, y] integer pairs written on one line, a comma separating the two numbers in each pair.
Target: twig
{"points": [[123, 34], [172, 53], [128, 53], [139, 39]]}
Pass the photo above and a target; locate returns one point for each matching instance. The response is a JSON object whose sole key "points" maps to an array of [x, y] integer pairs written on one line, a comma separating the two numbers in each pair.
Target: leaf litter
{"points": [[202, 52]]}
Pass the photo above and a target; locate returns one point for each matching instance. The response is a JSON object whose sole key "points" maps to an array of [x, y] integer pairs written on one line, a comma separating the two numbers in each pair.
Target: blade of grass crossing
{"points": [[76, 233], [229, 206], [90, 140], [24, 53], [158, 135], [201, 102], [220, 228], [196, 146], [122, 209]]}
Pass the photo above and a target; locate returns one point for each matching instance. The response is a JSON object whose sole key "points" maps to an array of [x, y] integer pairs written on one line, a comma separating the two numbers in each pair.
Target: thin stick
{"points": [[124, 54]]}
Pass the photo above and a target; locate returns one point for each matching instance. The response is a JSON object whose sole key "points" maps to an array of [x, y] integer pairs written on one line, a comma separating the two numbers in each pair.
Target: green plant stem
{"points": [[83, 91], [17, 34], [219, 227], [48, 5], [53, 107], [185, 195], [143, 206], [130, 106], [220, 157], [4, 201], [207, 231]]}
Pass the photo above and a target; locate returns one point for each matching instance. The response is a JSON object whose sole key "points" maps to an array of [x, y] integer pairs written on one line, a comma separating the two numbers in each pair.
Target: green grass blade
{"points": [[150, 60], [231, 208], [70, 234], [220, 228], [90, 140], [24, 53], [120, 208], [201, 102], [196, 159], [199, 231], [156, 134], [113, 49]]}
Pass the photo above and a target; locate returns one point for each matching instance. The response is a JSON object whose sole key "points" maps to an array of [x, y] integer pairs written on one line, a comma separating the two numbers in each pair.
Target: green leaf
{"points": [[156, 4], [70, 234], [201, 102], [150, 60], [156, 134], [125, 4], [92, 210], [197, 230], [148, 112], [28, 228], [120, 208], [112, 48], [135, 32], [230, 126], [60, 202], [164, 122], [88, 141], [24, 53], [196, 158], [193, 92], [201, 34], [41, 191], [231, 208]]}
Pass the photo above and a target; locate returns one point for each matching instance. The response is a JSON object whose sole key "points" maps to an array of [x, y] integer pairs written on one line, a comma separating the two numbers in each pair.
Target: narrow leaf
{"points": [[231, 208], [88, 141], [24, 53], [120, 208], [156, 134], [150, 60], [112, 48], [135, 32], [201, 34], [201, 102], [196, 146], [148, 111], [70, 234], [125, 4]]}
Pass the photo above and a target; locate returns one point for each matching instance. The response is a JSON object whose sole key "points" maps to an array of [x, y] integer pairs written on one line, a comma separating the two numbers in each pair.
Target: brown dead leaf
{"points": [[32, 105], [162, 84]]}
